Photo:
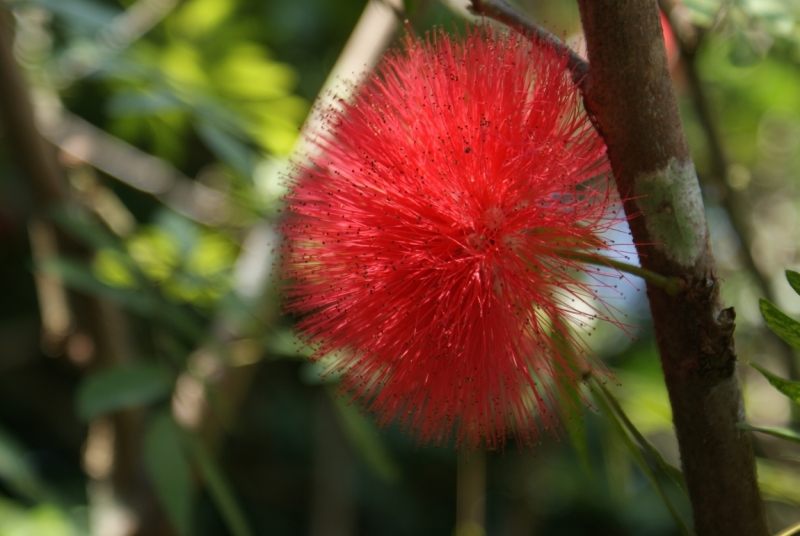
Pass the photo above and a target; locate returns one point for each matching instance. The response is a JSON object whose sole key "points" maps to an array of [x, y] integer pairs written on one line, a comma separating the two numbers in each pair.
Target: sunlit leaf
{"points": [[41, 520], [111, 269], [247, 73], [167, 465], [78, 276], [183, 64], [122, 388], [156, 251], [785, 327], [199, 17], [787, 387], [212, 254]]}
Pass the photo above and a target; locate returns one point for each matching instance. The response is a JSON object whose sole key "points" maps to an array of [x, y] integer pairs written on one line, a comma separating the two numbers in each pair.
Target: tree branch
{"points": [[732, 201], [630, 93], [502, 12], [35, 158]]}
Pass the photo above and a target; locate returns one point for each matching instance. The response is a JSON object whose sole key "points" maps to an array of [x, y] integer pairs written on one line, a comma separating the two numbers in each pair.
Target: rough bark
{"points": [[629, 92]]}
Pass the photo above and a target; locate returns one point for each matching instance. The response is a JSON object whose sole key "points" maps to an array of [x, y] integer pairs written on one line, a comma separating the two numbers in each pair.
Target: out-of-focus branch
{"points": [[502, 12], [471, 493], [635, 107], [372, 34], [87, 143], [34, 157]]}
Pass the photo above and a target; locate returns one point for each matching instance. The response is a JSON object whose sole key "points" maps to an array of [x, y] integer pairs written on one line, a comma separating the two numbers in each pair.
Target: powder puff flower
{"points": [[428, 243]]}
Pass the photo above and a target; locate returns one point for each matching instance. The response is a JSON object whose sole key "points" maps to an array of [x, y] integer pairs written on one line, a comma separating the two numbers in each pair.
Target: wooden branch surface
{"points": [[630, 93]]}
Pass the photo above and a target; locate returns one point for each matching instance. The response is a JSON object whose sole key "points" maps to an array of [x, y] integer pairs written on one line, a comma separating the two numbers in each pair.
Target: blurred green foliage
{"points": [[217, 90]]}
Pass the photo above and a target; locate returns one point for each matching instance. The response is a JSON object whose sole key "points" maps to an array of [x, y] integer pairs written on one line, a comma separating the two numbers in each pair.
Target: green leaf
{"points": [[220, 489], [785, 327], [638, 456], [782, 433], [78, 276], [168, 467], [670, 470], [363, 437], [794, 280], [571, 406], [121, 388], [787, 387], [410, 6], [84, 228]]}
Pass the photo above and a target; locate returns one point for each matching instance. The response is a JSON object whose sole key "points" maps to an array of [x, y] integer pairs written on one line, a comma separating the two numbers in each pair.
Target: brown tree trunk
{"points": [[629, 92]]}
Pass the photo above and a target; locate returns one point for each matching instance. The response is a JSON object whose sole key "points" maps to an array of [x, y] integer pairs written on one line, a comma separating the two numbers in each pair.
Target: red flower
{"points": [[429, 242]]}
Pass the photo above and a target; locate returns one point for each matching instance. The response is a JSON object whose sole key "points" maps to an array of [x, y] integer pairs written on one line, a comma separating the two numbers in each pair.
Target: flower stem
{"points": [[671, 285]]}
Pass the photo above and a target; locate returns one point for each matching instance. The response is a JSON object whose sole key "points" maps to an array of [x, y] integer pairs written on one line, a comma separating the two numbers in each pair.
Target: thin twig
{"points": [[671, 285], [132, 166], [506, 14]]}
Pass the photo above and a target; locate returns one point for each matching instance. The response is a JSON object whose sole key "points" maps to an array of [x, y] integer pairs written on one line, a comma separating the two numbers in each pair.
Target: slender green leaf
{"points": [[149, 305], [84, 229], [785, 327], [79, 276], [167, 465], [670, 470], [571, 404], [363, 437], [794, 280], [121, 388], [638, 457], [220, 489], [782, 433], [787, 387]]}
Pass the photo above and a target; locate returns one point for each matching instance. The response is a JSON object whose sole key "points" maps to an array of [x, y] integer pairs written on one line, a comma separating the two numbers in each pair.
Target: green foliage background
{"points": [[171, 395]]}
